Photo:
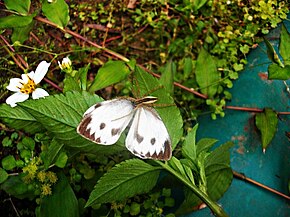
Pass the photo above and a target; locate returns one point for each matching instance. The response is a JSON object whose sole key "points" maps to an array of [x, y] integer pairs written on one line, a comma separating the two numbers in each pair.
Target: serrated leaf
{"points": [[284, 45], [19, 119], [62, 202], [15, 21], [57, 12], [124, 180], [146, 84], [21, 34], [70, 84], [166, 79], [206, 73], [278, 73], [267, 122], [188, 147], [112, 72], [21, 6]]}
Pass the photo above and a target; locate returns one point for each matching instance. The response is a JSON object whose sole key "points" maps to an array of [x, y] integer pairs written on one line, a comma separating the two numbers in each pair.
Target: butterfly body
{"points": [[104, 123]]}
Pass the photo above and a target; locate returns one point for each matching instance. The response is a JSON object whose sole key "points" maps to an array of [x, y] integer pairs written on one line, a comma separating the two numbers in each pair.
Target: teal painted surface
{"points": [[273, 167]]}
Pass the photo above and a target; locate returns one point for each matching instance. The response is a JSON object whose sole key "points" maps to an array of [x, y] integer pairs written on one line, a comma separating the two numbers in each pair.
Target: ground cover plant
{"points": [[83, 52]]}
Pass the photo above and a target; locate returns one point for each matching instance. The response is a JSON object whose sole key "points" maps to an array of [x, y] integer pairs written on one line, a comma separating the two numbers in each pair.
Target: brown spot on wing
{"points": [[115, 131], [163, 155], [83, 126], [139, 138], [98, 105], [102, 126], [152, 141]]}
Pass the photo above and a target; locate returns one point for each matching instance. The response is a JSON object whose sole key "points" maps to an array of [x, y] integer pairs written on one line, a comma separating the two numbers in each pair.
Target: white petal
{"points": [[25, 78], [41, 71], [39, 93], [16, 97], [15, 84]]}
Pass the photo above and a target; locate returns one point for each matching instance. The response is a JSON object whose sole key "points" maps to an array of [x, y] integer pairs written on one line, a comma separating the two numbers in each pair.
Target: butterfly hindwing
{"points": [[148, 136], [104, 122]]}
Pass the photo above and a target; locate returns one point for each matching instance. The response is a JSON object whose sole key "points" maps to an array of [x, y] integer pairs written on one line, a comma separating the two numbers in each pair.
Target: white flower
{"points": [[23, 87], [65, 64]]}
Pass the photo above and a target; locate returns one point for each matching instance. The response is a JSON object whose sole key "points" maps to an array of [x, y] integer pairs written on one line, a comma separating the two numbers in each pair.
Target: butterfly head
{"points": [[148, 100]]}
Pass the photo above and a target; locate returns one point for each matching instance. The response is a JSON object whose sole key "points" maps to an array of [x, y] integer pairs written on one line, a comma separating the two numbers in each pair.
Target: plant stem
{"points": [[215, 208]]}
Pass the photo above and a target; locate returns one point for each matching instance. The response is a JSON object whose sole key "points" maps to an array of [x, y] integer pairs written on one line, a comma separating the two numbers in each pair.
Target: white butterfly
{"points": [[104, 122]]}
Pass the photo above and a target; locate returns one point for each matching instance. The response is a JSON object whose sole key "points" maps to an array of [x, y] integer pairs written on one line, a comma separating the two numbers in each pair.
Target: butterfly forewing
{"points": [[148, 136], [104, 122]]}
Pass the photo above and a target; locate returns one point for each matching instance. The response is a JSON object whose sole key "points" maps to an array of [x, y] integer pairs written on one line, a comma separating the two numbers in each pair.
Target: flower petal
{"points": [[15, 84], [41, 71], [39, 93], [25, 78], [15, 98]]}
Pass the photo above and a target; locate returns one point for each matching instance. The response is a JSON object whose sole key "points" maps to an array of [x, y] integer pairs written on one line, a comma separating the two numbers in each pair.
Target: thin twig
{"points": [[243, 177]]}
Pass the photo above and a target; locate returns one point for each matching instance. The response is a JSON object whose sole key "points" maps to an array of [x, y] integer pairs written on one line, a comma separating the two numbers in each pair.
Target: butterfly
{"points": [[148, 138]]}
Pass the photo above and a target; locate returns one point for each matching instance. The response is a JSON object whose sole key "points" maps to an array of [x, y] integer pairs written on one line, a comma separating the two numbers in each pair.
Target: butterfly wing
{"points": [[104, 122], [148, 136]]}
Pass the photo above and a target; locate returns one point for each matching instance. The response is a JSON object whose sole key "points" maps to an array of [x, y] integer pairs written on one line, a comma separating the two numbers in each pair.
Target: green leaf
{"points": [[50, 155], [61, 160], [267, 122], [177, 166], [284, 45], [21, 34], [62, 202], [15, 186], [61, 114], [14, 21], [206, 73], [9, 162], [112, 72], [124, 180], [278, 73], [19, 119], [187, 67], [218, 183], [218, 159], [147, 84], [3, 175], [204, 144], [29, 143], [70, 84], [57, 12], [188, 147], [20, 6], [167, 76], [272, 55]]}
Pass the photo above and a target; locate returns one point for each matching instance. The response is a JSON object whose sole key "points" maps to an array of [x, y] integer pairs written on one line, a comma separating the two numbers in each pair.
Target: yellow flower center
{"points": [[29, 87]]}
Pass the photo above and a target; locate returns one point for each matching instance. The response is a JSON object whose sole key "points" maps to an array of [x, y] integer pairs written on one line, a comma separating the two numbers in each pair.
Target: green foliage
{"points": [[125, 180], [57, 12], [201, 44], [279, 69], [62, 202], [22, 21], [267, 122], [206, 73]]}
